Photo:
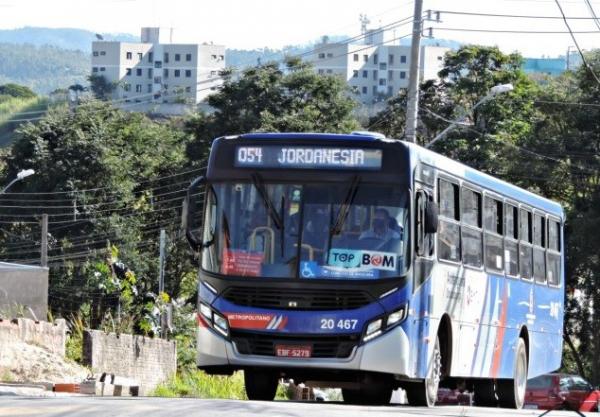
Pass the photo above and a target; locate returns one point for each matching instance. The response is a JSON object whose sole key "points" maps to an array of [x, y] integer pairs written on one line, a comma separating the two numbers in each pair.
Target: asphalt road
{"points": [[150, 407]]}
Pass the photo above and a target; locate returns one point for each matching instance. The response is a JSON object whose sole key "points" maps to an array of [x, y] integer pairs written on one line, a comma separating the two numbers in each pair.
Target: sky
{"points": [[250, 24]]}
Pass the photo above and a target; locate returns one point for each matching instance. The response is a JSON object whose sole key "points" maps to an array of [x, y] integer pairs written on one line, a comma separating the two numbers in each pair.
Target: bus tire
{"points": [[511, 392], [375, 395], [484, 393], [424, 393], [260, 385]]}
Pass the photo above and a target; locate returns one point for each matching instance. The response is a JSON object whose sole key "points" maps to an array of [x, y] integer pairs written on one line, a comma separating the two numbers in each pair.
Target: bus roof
{"points": [[355, 136]]}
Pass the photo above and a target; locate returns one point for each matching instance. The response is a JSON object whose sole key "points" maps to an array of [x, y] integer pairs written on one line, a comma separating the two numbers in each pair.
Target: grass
{"points": [[11, 114], [199, 385]]}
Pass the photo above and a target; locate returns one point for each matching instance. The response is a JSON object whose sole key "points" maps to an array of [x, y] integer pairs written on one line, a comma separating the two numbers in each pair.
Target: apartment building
{"points": [[158, 71], [376, 69]]}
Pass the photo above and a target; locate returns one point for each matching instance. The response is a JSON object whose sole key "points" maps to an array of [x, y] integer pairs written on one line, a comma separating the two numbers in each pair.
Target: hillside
{"points": [[12, 112]]}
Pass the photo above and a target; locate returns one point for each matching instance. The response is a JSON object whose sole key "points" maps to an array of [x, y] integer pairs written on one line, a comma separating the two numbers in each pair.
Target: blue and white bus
{"points": [[371, 264]]}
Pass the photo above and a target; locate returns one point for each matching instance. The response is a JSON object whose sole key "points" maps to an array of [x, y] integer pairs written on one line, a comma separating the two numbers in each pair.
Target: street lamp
{"points": [[494, 91], [21, 175]]}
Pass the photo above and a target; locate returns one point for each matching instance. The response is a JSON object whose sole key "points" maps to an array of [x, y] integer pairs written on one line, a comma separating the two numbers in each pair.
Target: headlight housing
{"points": [[380, 325], [215, 320]]}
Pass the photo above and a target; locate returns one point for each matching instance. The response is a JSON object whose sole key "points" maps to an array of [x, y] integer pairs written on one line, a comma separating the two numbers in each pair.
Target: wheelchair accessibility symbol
{"points": [[307, 271]]}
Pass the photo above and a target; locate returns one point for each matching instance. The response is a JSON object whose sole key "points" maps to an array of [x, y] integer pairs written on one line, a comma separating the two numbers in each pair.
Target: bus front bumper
{"points": [[389, 353]]}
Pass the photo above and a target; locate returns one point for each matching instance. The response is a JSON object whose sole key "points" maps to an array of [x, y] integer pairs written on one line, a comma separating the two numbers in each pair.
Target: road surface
{"points": [[151, 407]]}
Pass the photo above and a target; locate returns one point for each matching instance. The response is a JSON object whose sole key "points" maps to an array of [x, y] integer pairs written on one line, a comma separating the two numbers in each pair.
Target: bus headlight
{"points": [[373, 330], [220, 324], [396, 317], [206, 312]]}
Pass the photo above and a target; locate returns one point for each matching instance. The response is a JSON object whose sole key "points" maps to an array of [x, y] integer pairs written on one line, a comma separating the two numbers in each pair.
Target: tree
{"points": [[268, 98], [17, 91], [101, 87]]}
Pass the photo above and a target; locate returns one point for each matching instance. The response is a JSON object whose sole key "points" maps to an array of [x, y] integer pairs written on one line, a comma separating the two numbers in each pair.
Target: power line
{"points": [[589, 68], [512, 16], [591, 9], [531, 32]]}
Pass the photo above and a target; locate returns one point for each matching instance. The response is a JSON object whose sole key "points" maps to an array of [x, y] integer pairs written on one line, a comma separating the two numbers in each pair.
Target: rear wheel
{"points": [[425, 393], [484, 394], [511, 392], [260, 385]]}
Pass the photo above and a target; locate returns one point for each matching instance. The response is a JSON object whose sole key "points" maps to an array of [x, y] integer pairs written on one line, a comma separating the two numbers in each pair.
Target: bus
{"points": [[370, 264]]}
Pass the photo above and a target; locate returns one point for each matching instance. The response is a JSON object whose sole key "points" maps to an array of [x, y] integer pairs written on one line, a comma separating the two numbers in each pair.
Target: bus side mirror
{"points": [[192, 210], [431, 217]]}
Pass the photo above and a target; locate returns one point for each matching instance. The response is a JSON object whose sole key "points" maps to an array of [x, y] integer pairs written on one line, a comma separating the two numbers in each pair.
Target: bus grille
{"points": [[297, 299], [322, 346]]}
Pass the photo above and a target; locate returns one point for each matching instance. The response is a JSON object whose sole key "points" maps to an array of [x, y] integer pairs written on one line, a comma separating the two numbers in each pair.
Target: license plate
{"points": [[287, 351]]}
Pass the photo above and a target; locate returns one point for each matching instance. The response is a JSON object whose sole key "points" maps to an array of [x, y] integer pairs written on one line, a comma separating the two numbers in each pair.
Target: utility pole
{"points": [[44, 245], [412, 107], [161, 277]]}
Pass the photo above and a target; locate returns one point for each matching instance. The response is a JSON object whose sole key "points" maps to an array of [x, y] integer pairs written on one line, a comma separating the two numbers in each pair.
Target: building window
{"points": [[329, 55], [213, 57], [321, 71], [402, 75], [166, 73], [390, 75], [95, 53], [355, 74], [188, 73], [158, 64], [374, 74], [355, 57], [150, 57], [383, 66], [390, 59], [127, 87], [221, 57], [138, 88], [403, 59], [129, 55], [95, 69], [374, 90], [329, 71], [149, 86], [188, 89], [128, 71], [150, 73], [365, 74], [364, 90], [321, 55], [140, 56], [375, 59], [102, 53], [102, 69], [390, 90], [177, 72], [366, 58], [213, 73], [440, 58], [382, 81], [188, 57], [177, 57], [166, 57], [138, 72]]}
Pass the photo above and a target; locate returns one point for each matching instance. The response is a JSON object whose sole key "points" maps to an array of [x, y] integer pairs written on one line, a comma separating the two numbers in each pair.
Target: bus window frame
{"points": [[544, 217], [528, 209], [512, 203], [501, 199], [551, 218], [471, 187], [452, 180]]}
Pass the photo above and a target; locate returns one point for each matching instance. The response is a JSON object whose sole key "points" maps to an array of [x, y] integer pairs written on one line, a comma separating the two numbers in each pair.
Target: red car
{"points": [[561, 391]]}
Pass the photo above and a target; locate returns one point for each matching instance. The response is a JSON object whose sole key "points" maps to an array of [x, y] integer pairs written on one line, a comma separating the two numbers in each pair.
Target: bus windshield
{"points": [[307, 231]]}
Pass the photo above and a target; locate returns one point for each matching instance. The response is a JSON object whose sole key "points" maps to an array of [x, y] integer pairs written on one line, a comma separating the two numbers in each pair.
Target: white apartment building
{"points": [[157, 71], [376, 69]]}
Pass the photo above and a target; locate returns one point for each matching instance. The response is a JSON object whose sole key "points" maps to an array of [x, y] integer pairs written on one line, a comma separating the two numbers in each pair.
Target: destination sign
{"points": [[307, 157]]}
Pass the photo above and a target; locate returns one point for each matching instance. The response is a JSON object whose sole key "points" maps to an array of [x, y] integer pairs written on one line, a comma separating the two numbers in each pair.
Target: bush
{"points": [[17, 91]]}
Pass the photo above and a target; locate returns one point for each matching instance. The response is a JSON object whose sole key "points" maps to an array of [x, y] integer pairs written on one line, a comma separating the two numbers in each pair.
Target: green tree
{"points": [[101, 87], [15, 90], [268, 98]]}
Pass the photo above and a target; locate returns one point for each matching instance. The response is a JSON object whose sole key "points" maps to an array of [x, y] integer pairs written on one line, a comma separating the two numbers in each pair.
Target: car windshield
{"points": [[351, 231]]}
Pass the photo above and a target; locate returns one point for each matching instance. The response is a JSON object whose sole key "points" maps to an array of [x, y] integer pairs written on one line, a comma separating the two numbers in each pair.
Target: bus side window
{"points": [[471, 234], [511, 234], [525, 241], [449, 228], [539, 243], [424, 241], [494, 249], [553, 253]]}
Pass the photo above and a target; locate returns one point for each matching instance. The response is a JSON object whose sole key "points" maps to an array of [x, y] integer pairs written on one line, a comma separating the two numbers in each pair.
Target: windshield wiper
{"points": [[260, 187], [344, 208]]}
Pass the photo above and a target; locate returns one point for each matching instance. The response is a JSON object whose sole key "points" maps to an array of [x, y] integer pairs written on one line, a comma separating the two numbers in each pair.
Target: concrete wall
{"points": [[145, 360], [23, 288], [50, 336]]}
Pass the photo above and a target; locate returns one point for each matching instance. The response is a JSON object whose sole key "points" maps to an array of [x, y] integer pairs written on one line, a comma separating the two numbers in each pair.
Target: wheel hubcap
{"points": [[433, 381], [521, 379]]}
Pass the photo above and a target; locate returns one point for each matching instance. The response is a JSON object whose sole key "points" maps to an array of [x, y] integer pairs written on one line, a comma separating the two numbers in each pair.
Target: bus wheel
{"points": [[425, 393], [368, 395], [260, 385], [511, 392]]}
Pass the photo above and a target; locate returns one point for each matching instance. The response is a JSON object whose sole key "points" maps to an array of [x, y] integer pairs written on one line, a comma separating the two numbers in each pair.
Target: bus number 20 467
{"points": [[342, 324]]}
